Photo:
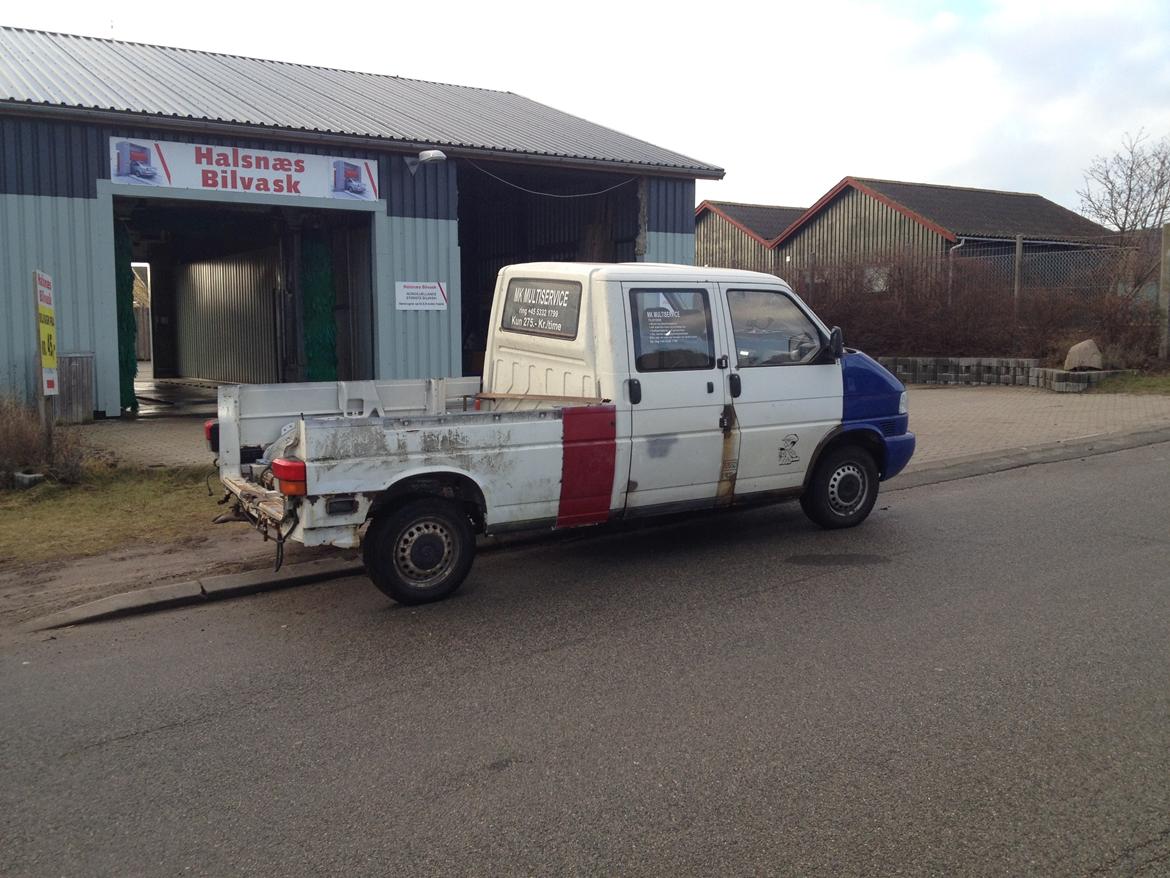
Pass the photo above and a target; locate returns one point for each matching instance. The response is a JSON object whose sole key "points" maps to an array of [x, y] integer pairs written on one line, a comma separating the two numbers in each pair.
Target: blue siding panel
{"points": [[670, 206], [70, 240]]}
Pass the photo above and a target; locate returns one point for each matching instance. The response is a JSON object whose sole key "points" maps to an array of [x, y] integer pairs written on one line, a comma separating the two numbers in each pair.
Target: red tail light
{"points": [[289, 468], [211, 434], [290, 473]]}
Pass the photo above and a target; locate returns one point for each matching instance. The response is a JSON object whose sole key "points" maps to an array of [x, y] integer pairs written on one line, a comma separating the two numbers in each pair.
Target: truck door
{"points": [[678, 393], [786, 389]]}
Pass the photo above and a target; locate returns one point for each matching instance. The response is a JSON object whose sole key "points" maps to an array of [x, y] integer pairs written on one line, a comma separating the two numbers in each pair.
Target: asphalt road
{"points": [[975, 682]]}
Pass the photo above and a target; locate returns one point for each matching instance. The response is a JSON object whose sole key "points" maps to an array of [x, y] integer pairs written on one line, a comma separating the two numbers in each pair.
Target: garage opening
{"points": [[514, 213], [247, 293]]}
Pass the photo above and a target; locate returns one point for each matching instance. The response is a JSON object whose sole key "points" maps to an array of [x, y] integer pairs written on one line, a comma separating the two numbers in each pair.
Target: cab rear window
{"points": [[550, 308]]}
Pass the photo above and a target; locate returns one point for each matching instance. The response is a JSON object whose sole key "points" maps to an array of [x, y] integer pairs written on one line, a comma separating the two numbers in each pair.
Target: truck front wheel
{"points": [[843, 488], [419, 552]]}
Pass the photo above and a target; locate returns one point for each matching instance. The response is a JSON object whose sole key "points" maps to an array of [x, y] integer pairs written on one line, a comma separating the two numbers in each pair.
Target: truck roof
{"points": [[637, 271]]}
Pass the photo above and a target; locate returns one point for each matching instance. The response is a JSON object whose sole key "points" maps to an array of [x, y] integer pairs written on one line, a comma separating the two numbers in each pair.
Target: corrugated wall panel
{"points": [[227, 318], [60, 236], [670, 205], [417, 344], [429, 193], [75, 402], [676, 249], [854, 228], [359, 263], [721, 245]]}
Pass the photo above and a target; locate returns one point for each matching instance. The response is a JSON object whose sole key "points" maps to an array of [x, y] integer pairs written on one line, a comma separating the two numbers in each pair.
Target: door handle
{"points": [[735, 384], [635, 391]]}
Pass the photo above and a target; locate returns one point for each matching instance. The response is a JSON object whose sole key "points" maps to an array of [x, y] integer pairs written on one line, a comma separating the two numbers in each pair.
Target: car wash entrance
{"points": [[518, 213], [260, 261], [251, 293]]}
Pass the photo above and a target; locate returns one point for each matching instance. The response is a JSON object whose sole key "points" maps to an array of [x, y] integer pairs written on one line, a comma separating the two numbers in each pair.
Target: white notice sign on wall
{"points": [[420, 296]]}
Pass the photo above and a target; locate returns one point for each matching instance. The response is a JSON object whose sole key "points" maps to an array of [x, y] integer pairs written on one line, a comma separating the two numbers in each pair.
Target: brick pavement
{"points": [[955, 422], [160, 442], [951, 422]]}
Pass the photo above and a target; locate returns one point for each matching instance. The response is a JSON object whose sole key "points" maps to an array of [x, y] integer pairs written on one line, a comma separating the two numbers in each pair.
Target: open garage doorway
{"points": [[249, 293], [517, 213]]}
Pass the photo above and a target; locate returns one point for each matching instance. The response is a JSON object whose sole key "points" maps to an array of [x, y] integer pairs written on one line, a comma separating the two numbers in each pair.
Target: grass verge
{"points": [[1151, 383], [111, 507]]}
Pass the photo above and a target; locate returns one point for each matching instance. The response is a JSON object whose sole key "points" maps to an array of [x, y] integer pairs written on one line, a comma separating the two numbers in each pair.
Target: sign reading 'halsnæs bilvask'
{"points": [[167, 165]]}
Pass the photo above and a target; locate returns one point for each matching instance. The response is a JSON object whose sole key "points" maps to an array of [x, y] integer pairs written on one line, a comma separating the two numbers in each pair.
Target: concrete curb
{"points": [[213, 588], [196, 591]]}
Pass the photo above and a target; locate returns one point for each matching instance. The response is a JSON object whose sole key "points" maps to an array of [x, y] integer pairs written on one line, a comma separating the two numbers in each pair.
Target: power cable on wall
{"points": [[549, 194]]}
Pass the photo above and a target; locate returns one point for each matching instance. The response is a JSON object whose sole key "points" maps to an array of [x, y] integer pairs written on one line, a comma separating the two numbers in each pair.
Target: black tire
{"points": [[843, 488], [419, 552]]}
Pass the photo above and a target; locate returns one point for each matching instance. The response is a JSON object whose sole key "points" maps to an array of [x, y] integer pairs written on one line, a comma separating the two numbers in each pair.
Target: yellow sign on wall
{"points": [[47, 329]]}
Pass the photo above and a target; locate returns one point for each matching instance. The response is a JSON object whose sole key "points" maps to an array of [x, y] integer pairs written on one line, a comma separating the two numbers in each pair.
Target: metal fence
{"points": [[1000, 298], [1082, 270]]}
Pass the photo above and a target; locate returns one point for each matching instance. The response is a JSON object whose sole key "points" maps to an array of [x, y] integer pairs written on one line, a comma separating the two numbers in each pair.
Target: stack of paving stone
{"points": [[1061, 381], [1012, 371]]}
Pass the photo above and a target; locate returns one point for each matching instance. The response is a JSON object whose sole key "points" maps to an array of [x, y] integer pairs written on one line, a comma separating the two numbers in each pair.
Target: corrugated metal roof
{"points": [[987, 212], [765, 220], [62, 70]]}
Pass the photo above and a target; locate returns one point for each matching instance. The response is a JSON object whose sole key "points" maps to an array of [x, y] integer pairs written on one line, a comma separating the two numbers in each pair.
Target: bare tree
{"points": [[1130, 190]]}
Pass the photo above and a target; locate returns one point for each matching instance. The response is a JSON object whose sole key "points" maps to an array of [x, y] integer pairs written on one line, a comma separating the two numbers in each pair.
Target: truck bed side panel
{"points": [[515, 459], [590, 455]]}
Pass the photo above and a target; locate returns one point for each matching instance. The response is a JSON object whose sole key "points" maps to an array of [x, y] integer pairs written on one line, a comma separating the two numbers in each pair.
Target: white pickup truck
{"points": [[609, 392]]}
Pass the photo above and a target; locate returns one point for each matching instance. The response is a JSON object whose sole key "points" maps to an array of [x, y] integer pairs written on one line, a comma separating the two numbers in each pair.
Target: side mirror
{"points": [[836, 343]]}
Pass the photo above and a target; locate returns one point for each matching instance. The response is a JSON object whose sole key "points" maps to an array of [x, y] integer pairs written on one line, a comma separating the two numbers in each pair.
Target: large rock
{"points": [[1083, 356]]}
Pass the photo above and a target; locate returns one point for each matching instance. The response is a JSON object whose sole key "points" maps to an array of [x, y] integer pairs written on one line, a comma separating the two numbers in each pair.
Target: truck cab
{"points": [[726, 387]]}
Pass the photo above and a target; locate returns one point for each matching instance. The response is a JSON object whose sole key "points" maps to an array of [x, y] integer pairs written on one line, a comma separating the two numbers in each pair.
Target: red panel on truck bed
{"points": [[590, 452]]}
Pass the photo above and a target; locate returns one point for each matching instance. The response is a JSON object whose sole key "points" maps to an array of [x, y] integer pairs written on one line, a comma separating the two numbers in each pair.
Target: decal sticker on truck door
{"points": [[787, 455]]}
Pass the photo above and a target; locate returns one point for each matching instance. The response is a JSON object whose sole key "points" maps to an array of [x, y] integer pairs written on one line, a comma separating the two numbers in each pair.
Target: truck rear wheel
{"points": [[843, 488], [419, 552]]}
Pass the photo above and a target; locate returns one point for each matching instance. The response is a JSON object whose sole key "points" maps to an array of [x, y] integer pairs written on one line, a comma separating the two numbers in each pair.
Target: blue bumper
{"points": [[899, 450]]}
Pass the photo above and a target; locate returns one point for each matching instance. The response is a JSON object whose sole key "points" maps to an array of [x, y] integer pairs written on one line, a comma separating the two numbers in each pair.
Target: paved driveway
{"points": [[956, 422]]}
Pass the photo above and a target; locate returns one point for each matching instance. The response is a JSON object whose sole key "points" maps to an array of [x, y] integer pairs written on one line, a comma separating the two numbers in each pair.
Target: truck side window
{"points": [[672, 330], [770, 330]]}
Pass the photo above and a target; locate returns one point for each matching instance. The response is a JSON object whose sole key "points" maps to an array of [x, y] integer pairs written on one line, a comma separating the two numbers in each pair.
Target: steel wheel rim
{"points": [[431, 535], [848, 487]]}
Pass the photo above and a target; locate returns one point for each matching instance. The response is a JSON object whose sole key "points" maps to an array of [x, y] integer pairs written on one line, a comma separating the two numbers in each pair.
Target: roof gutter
{"points": [[1067, 242], [296, 135]]}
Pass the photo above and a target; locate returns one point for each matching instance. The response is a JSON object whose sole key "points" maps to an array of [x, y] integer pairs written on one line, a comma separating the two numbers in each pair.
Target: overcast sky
{"points": [[788, 98]]}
